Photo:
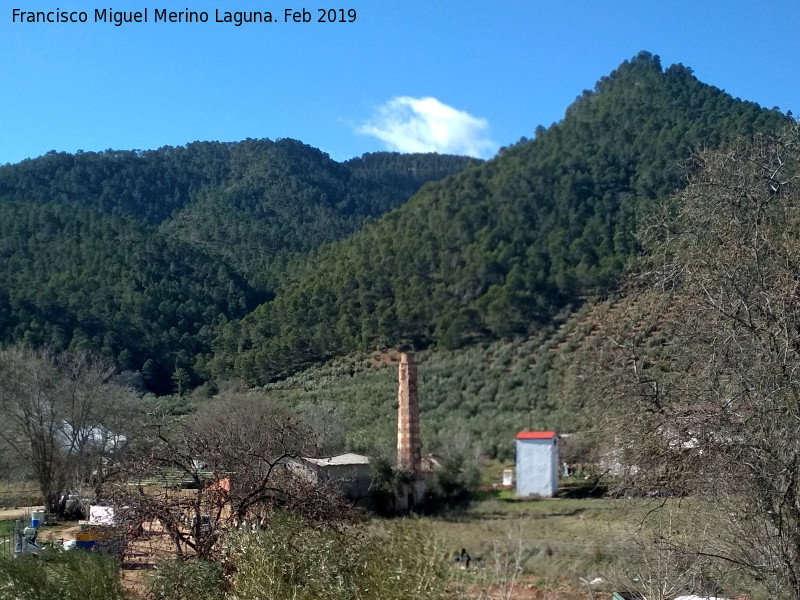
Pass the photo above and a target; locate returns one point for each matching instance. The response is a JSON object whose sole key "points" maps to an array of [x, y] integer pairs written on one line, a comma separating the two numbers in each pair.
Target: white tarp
{"points": [[101, 515]]}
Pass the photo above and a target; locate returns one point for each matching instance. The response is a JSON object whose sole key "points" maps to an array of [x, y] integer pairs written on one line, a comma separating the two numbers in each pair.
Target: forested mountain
{"points": [[141, 255], [254, 259], [285, 199], [73, 278], [497, 249]]}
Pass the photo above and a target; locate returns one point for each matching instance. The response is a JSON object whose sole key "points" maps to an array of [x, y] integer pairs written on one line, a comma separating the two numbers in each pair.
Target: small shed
{"points": [[537, 463], [350, 473]]}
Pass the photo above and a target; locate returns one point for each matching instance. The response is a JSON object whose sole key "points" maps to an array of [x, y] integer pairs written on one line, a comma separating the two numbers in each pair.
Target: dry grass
{"points": [[13, 495], [537, 548]]}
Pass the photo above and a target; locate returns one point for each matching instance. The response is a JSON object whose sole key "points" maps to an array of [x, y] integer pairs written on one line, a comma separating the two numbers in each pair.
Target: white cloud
{"points": [[426, 125]]}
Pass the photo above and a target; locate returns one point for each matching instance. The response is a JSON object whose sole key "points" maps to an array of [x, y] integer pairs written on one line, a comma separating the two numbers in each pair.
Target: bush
{"points": [[73, 575], [453, 484], [188, 580], [387, 483], [300, 560], [295, 559]]}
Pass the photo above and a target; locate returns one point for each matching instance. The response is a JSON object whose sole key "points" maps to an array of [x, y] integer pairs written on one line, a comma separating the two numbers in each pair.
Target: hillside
{"points": [[476, 398], [256, 259], [142, 255], [285, 199], [497, 250]]}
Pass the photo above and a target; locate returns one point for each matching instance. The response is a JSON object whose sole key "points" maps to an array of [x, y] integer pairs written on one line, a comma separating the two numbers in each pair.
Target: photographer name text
{"points": [[119, 18]]}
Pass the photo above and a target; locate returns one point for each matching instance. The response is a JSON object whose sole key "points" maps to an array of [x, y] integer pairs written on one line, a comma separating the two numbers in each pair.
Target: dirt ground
{"points": [[22, 512], [534, 588]]}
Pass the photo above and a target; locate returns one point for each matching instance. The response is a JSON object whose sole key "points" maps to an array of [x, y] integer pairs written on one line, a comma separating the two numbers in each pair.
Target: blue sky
{"points": [[466, 77]]}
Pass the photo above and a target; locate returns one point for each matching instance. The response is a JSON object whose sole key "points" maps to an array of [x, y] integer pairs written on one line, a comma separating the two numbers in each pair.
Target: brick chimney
{"points": [[408, 450]]}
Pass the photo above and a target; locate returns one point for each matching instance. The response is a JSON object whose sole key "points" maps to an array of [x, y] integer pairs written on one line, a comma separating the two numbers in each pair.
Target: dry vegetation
{"points": [[532, 549], [547, 545]]}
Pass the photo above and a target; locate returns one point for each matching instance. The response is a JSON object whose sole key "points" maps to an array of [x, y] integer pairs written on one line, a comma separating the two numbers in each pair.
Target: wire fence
{"points": [[19, 497], [6, 544]]}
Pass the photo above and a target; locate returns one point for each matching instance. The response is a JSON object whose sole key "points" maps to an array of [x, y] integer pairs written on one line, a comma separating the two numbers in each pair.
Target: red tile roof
{"points": [[536, 435]]}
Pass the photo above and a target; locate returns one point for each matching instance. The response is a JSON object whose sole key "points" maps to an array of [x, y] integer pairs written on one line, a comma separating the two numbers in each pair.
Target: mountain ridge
{"points": [[140, 255], [496, 250], [255, 259]]}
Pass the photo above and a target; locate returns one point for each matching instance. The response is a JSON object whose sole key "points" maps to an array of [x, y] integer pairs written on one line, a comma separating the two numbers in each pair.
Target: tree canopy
{"points": [[142, 255], [258, 258], [498, 249]]}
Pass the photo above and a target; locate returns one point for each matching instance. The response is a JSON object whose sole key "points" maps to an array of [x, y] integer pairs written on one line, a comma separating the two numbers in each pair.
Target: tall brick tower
{"points": [[408, 449]]}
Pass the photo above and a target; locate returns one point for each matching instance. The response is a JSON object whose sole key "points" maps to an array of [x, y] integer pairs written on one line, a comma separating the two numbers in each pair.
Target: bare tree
{"points": [[232, 462], [666, 556], [709, 389], [63, 417]]}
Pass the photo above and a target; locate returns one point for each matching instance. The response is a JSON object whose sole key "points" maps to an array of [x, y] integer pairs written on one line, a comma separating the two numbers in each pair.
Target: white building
{"points": [[350, 473], [537, 463]]}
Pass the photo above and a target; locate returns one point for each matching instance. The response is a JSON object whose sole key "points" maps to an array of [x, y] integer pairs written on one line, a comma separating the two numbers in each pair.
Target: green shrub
{"points": [[72, 575], [297, 560], [387, 482], [453, 484], [188, 580]]}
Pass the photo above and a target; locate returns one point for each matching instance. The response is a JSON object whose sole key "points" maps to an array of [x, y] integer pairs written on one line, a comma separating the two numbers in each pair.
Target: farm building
{"points": [[350, 473], [537, 463]]}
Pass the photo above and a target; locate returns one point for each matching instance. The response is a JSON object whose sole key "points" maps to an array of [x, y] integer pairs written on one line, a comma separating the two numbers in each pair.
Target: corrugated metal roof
{"points": [[536, 435], [341, 459]]}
